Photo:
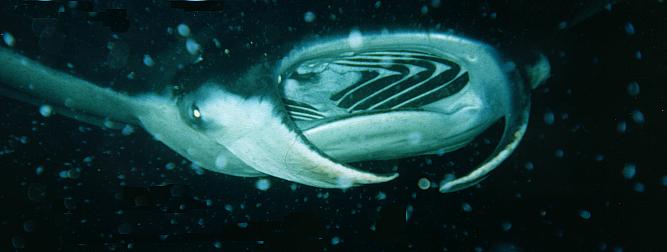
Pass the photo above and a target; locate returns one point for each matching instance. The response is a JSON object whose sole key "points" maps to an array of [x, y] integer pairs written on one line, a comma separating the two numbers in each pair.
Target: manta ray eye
{"points": [[196, 114]]}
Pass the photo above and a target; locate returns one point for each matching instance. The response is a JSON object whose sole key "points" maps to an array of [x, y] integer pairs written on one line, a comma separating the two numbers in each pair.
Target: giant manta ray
{"points": [[325, 104]]}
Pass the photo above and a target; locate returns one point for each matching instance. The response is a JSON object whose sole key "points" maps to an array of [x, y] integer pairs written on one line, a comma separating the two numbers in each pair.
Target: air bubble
{"points": [[183, 30], [633, 88], [45, 110], [263, 184], [148, 60], [629, 170], [309, 17], [8, 38], [629, 28], [424, 183]]}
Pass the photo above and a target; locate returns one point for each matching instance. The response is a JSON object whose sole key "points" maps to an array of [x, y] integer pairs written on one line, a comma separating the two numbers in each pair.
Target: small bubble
{"points": [[8, 38], [148, 60], [183, 30], [562, 25], [633, 88], [29, 226], [217, 244], [638, 117], [309, 17], [629, 170], [435, 3], [424, 10], [466, 207], [584, 214], [529, 166], [629, 28], [621, 127], [380, 196], [335, 240], [39, 170], [127, 130], [242, 224], [506, 226], [192, 46], [639, 187], [46, 110], [170, 166], [263, 184], [559, 153], [229, 207], [124, 228], [664, 181], [18, 242], [549, 118], [424, 184], [638, 55]]}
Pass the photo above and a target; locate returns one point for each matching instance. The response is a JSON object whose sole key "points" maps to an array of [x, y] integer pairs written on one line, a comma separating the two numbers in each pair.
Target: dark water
{"points": [[588, 175]]}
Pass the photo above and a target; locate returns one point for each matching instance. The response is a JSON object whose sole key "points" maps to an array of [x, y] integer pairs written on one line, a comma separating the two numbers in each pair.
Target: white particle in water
{"points": [[8, 38], [585, 214], [355, 40], [309, 17], [639, 187], [39, 170], [559, 153], [638, 116], [629, 28], [217, 244], [170, 166], [127, 130], [217, 43], [435, 3], [529, 166], [335, 240], [424, 10], [263, 184], [664, 181], [229, 207], [424, 183], [192, 46], [45, 110], [629, 170], [562, 25], [549, 118], [638, 55], [466, 207], [242, 224], [381, 196], [633, 88], [506, 225], [621, 127], [183, 30], [148, 60]]}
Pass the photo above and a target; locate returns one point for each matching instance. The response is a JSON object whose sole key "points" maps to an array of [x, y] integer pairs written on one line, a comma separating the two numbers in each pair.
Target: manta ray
{"points": [[327, 103]]}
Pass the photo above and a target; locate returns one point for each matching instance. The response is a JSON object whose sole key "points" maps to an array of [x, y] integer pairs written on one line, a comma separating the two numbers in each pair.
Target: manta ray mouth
{"points": [[260, 138]]}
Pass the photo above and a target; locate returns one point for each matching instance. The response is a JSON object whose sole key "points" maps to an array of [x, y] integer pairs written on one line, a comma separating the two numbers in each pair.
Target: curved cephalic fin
{"points": [[517, 110], [254, 130], [29, 81]]}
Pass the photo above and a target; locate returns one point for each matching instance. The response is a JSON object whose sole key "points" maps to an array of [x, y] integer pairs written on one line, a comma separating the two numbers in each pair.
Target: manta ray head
{"points": [[248, 118]]}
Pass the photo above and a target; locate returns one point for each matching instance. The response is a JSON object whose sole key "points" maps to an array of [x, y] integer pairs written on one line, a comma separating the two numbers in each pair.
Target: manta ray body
{"points": [[327, 103]]}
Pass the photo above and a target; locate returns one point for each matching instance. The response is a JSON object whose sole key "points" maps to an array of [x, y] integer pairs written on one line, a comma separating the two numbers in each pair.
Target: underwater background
{"points": [[588, 176]]}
